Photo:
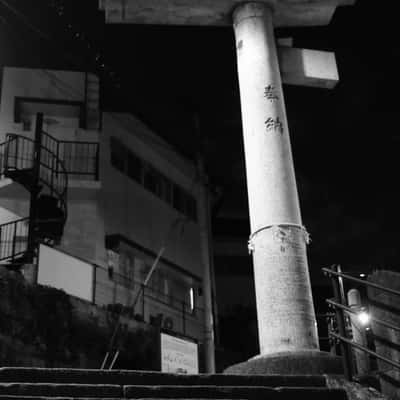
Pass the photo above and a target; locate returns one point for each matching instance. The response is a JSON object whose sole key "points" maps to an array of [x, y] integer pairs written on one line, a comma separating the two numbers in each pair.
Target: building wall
{"points": [[137, 213], [116, 204], [68, 86], [38, 83]]}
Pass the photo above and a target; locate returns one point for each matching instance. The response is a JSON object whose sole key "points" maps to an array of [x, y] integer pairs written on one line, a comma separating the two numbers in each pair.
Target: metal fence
{"points": [[13, 239], [146, 304], [343, 335], [80, 159]]}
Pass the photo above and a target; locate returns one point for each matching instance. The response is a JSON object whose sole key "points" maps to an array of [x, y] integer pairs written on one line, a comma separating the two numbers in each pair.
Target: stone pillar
{"points": [[286, 317]]}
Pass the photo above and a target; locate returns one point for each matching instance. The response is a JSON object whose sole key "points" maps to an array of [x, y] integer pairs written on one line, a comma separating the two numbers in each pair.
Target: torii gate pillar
{"points": [[286, 318]]}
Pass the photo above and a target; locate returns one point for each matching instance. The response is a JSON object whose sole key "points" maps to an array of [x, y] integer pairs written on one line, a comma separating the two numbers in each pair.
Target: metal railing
{"points": [[40, 170], [19, 155], [13, 239], [152, 293], [343, 313], [81, 159], [146, 304], [140, 300]]}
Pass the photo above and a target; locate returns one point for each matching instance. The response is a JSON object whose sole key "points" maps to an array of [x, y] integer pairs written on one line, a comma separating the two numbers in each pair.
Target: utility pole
{"points": [[203, 213]]}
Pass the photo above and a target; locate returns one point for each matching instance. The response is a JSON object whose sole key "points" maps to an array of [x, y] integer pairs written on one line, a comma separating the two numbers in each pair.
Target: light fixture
{"points": [[191, 295], [364, 318]]}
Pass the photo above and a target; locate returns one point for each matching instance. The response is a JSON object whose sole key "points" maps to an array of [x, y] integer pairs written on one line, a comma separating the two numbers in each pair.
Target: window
{"points": [[153, 180], [179, 199], [134, 167], [26, 123], [191, 208], [118, 154], [166, 189], [62, 113]]}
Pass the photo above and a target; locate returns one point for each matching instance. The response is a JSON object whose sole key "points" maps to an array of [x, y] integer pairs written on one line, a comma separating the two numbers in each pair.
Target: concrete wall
{"points": [[84, 230], [137, 213], [44, 84], [39, 83]]}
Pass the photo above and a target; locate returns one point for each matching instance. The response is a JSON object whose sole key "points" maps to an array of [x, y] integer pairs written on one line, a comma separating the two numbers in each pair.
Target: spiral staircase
{"points": [[35, 166]]}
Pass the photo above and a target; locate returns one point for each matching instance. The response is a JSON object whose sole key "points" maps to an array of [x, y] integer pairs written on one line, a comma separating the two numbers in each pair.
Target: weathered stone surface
{"points": [[215, 12], [232, 392], [57, 390], [299, 362], [326, 387], [124, 377], [354, 390], [285, 311]]}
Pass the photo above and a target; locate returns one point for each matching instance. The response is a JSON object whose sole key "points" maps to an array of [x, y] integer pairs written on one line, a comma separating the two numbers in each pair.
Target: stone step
{"points": [[124, 377], [12, 397], [61, 390], [5, 397], [233, 392], [169, 392]]}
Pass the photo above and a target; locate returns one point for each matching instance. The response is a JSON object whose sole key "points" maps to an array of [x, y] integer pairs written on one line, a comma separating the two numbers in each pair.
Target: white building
{"points": [[131, 201]]}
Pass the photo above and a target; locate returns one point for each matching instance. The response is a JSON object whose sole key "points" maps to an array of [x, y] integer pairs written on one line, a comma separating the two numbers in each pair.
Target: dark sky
{"points": [[345, 141]]}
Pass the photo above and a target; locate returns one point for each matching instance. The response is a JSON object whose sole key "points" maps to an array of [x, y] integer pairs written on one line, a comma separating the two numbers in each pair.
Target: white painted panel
{"points": [[65, 272], [178, 355]]}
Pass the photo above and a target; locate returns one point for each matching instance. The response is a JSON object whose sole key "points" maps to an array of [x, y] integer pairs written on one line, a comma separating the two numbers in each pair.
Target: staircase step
{"points": [[5, 397], [18, 390], [233, 392], [63, 390], [129, 377], [10, 397]]}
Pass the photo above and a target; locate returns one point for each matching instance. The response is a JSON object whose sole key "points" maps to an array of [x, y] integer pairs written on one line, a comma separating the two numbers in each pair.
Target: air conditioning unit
{"points": [[168, 323], [156, 319]]}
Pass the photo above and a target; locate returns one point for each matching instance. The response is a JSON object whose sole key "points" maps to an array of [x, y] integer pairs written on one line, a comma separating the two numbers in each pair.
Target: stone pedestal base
{"points": [[307, 362]]}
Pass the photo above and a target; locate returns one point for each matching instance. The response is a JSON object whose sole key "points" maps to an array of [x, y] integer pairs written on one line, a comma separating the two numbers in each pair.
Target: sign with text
{"points": [[178, 355]]}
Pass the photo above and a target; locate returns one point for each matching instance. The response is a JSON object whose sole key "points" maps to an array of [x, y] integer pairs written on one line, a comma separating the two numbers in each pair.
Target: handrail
{"points": [[14, 222], [9, 232], [340, 305], [365, 349], [67, 141], [361, 281], [91, 168], [20, 154], [14, 137], [352, 311], [130, 283], [61, 177]]}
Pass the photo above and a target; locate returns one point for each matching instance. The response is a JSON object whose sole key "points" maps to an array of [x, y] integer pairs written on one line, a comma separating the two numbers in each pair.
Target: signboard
{"points": [[178, 355]]}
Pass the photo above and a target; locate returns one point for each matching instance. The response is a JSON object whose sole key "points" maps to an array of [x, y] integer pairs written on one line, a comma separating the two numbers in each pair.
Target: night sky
{"points": [[345, 141]]}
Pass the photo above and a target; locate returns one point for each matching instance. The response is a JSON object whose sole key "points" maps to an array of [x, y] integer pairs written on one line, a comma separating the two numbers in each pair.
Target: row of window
{"points": [[129, 270], [145, 174]]}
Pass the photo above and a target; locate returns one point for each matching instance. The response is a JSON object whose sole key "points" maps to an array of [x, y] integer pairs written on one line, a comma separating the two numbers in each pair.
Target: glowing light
{"points": [[191, 293], [362, 275], [364, 318]]}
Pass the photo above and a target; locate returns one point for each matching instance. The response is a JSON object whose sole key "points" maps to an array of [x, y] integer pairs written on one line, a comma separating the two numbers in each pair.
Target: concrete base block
{"points": [[307, 362]]}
